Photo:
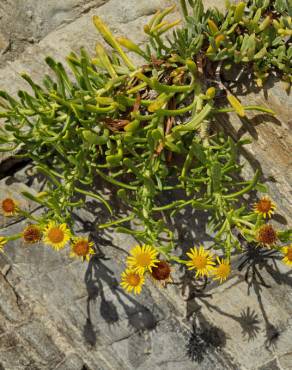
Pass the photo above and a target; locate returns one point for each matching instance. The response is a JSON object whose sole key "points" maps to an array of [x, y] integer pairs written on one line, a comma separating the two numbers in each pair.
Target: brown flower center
{"points": [[133, 279], [56, 235], [264, 205], [161, 271], [8, 205], [32, 234], [267, 234], [81, 248]]}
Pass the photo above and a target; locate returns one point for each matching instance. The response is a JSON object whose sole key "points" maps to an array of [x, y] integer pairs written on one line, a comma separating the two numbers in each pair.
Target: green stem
{"points": [[184, 8], [245, 190], [115, 182], [95, 196], [122, 220], [13, 237], [241, 221], [249, 107]]}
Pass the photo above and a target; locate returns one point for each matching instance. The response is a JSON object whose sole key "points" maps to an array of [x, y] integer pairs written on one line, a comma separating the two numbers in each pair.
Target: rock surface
{"points": [[57, 313]]}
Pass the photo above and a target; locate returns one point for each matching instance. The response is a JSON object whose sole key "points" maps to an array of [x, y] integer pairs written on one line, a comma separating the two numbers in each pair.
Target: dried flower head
{"points": [[142, 258], [132, 281], [56, 235], [222, 271], [266, 235], [9, 207], [200, 260], [161, 272], [287, 255], [265, 207], [82, 247], [32, 234]]}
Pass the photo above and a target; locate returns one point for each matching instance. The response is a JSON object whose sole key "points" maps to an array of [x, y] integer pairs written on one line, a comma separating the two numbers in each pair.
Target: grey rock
{"points": [[271, 365], [72, 362], [33, 19]]}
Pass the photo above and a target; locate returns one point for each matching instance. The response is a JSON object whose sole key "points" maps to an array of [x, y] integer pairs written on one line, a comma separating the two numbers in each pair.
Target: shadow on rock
{"points": [[255, 261], [204, 338], [99, 277]]}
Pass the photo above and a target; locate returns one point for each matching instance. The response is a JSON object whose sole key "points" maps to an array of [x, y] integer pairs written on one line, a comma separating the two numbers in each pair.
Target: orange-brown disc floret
{"points": [[266, 235], [81, 248], [9, 206], [32, 234], [161, 271]]}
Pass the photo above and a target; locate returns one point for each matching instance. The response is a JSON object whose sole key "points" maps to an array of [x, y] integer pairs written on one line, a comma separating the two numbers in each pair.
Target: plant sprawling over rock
{"points": [[150, 131]]}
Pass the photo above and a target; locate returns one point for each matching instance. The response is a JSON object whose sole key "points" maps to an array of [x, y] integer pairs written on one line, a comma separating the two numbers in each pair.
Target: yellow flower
{"points": [[56, 235], [142, 258], [266, 235], [132, 281], [222, 271], [265, 207], [287, 252], [32, 234], [9, 207], [200, 260], [3, 241], [82, 247]]}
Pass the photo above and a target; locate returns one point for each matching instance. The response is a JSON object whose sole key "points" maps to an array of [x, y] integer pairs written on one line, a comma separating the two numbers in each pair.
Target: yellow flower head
{"points": [[3, 241], [287, 252], [200, 260], [142, 258], [82, 248], [9, 207], [222, 271], [265, 207], [56, 235], [266, 235], [132, 281], [32, 234]]}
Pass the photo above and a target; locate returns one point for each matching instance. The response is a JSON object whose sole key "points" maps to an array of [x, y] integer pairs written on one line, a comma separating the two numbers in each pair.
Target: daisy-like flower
{"points": [[32, 234], [142, 258], [265, 207], [82, 248], [266, 235], [3, 241], [200, 260], [222, 271], [9, 207], [132, 281], [56, 235], [161, 272], [287, 253]]}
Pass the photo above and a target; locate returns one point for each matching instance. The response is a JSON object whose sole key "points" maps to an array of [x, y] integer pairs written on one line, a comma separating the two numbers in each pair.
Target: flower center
{"points": [[8, 205], [81, 248], [133, 279], [200, 262], [161, 271], [264, 205], [32, 234], [56, 235], [267, 234], [143, 259], [223, 270], [289, 254]]}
